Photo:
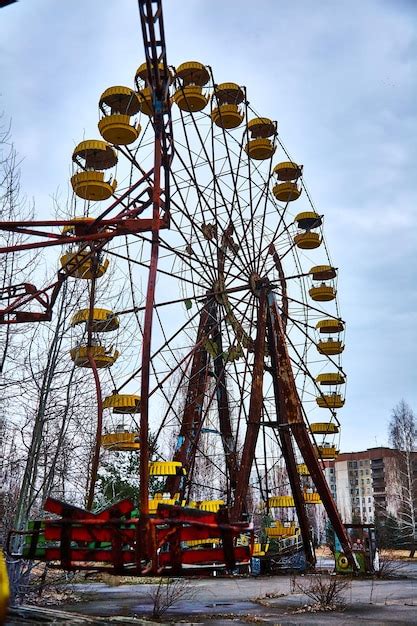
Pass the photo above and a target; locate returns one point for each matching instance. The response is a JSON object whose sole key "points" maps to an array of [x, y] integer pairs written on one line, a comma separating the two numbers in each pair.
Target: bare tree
{"points": [[13, 268], [403, 437]]}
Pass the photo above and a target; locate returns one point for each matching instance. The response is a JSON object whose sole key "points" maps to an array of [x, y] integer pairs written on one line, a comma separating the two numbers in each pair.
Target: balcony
{"points": [[377, 463]]}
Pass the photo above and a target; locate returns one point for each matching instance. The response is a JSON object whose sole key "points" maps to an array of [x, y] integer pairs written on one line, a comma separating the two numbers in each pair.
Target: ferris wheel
{"points": [[233, 231], [227, 308]]}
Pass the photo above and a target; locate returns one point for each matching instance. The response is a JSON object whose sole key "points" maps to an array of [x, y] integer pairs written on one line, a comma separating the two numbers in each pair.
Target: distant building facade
{"points": [[365, 484]]}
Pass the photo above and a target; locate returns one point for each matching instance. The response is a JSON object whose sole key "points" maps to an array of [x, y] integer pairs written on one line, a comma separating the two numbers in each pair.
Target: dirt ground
{"points": [[238, 601]]}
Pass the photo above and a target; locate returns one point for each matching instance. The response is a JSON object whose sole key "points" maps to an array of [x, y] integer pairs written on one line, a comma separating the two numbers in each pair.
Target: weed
{"points": [[327, 592], [168, 592]]}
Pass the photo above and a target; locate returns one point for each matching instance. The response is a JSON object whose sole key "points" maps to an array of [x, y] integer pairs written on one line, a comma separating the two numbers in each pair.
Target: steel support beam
{"points": [[287, 444], [151, 19], [255, 413], [225, 422], [291, 414], [191, 422]]}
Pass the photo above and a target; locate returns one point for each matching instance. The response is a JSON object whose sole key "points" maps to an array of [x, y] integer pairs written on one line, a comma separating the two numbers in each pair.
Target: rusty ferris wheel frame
{"points": [[152, 193]]}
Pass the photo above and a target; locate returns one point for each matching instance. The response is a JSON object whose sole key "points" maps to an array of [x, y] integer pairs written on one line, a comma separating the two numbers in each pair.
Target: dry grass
{"points": [[112, 580], [390, 565], [400, 555], [323, 552], [326, 592]]}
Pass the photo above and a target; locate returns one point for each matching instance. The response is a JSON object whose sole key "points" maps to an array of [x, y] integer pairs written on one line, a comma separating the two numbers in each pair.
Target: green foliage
{"points": [[329, 536], [388, 531], [266, 522], [118, 478]]}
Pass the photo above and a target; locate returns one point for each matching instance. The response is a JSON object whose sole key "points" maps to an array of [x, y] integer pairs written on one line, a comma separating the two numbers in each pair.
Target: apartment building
{"points": [[365, 483]]}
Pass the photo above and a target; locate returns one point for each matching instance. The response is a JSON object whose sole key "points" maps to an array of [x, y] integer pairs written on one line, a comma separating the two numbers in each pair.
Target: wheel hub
{"points": [[256, 282]]}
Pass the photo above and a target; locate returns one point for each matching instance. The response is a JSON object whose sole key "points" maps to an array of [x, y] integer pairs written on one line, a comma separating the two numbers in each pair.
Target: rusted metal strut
{"points": [[152, 25], [94, 234], [290, 415], [255, 414], [193, 413]]}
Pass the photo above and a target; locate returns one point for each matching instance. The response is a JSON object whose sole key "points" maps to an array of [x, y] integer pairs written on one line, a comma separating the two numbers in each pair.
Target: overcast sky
{"points": [[340, 78]]}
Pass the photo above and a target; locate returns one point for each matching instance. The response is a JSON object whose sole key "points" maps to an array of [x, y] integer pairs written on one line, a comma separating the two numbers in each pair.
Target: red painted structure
{"points": [[113, 539]]}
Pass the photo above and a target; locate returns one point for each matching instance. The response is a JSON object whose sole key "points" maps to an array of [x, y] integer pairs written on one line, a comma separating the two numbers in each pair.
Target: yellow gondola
{"points": [[330, 401], [227, 116], [328, 453], [260, 549], [121, 440], [330, 347], [102, 320], [312, 497], [302, 469], [166, 468], [308, 220], [330, 326], [80, 226], [193, 73], [93, 156], [118, 104], [322, 293], [228, 97], [260, 147], [122, 403], [281, 529], [286, 192], [330, 378], [288, 171], [142, 73], [323, 272], [145, 101], [307, 241], [102, 356], [118, 130], [189, 96], [210, 505], [161, 499], [280, 501], [324, 428], [83, 264], [92, 186], [4, 588]]}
